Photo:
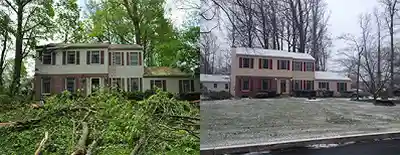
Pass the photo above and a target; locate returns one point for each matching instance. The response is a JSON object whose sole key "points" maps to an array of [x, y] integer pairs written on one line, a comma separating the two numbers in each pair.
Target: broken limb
{"points": [[42, 143], [81, 146]]}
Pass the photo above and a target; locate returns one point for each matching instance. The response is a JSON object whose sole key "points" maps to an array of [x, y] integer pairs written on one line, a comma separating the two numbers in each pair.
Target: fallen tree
{"points": [[103, 123]]}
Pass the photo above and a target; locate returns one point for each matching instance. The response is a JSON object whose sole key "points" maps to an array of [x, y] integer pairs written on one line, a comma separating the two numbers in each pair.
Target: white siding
{"points": [[82, 68], [172, 84], [220, 86]]}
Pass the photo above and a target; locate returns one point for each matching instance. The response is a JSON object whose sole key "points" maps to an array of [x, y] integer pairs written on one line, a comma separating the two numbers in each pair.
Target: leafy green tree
{"points": [[69, 27], [33, 23]]}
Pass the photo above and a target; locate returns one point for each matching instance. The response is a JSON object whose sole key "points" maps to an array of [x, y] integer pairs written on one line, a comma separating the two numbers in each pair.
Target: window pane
{"points": [[246, 63], [186, 85], [46, 85], [117, 58], [47, 58], [71, 57], [134, 84], [265, 63], [297, 66], [134, 58], [70, 84], [264, 84], [95, 57], [158, 83], [215, 85], [245, 84], [226, 86]]}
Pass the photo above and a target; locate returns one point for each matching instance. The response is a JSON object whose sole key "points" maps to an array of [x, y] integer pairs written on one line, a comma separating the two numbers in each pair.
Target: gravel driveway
{"points": [[249, 121]]}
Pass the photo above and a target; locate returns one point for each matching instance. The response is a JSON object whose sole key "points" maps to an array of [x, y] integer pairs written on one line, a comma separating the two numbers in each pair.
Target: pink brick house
{"points": [[256, 70]]}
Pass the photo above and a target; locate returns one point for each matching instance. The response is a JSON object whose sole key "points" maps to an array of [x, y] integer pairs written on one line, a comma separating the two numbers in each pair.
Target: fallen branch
{"points": [[91, 147], [138, 145], [81, 146], [41, 145]]}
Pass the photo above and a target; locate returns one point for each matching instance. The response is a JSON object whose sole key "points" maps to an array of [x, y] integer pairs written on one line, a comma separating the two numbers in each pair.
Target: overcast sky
{"points": [[343, 19]]}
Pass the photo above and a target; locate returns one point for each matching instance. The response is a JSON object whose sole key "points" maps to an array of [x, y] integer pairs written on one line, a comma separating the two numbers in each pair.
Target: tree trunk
{"points": [[18, 51]]}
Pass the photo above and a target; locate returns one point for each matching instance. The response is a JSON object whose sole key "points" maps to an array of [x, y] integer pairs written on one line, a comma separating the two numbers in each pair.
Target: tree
{"points": [[5, 29], [209, 47], [33, 22], [390, 11], [70, 28]]}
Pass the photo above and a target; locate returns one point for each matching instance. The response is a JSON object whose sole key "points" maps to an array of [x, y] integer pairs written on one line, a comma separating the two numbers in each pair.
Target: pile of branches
{"points": [[103, 123]]}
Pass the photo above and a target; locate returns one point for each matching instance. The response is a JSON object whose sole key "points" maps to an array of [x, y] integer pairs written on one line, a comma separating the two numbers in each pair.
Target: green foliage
{"points": [[116, 123]]}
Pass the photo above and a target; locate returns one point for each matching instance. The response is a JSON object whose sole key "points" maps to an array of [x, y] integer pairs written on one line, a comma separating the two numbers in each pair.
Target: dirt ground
{"points": [[250, 121]]}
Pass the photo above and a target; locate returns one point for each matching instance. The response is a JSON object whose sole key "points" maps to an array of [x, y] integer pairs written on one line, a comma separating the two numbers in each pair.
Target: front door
{"points": [[283, 86], [94, 84]]}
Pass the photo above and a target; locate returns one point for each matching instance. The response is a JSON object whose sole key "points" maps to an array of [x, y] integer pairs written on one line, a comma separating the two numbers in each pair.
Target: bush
{"points": [[191, 96], [164, 125], [305, 93], [221, 95], [136, 95]]}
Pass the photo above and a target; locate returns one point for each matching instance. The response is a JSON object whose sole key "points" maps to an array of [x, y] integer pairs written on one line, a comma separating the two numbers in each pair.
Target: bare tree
{"points": [[390, 12], [208, 47], [365, 46]]}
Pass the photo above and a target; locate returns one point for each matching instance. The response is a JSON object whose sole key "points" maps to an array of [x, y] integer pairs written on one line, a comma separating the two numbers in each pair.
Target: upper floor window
{"points": [[265, 64], [133, 58], [309, 66], [95, 57], [283, 65], [246, 62], [226, 86], [118, 58], [215, 85], [70, 57], [297, 66], [46, 58]]}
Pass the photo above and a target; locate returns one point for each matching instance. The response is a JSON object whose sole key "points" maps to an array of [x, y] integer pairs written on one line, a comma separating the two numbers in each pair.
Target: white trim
{"points": [[130, 58], [113, 54], [41, 87]]}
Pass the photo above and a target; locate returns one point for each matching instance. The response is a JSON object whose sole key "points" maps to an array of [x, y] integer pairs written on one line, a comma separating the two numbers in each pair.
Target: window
{"points": [[95, 57], [117, 83], [297, 66], [246, 62], [46, 85], [265, 63], [70, 84], [46, 58], [323, 85], [133, 84], [215, 85], [134, 58], [283, 64], [117, 58], [309, 66], [158, 84], [296, 85], [186, 86], [341, 87], [309, 85], [245, 84], [264, 84], [226, 86], [71, 57]]}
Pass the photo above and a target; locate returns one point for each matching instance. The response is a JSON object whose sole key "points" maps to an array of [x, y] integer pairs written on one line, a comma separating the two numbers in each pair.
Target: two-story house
{"points": [[70, 67], [255, 69]]}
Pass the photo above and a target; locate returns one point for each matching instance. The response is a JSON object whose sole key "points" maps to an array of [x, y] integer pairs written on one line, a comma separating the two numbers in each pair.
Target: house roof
{"points": [[164, 72], [273, 53], [90, 45], [319, 75], [214, 78]]}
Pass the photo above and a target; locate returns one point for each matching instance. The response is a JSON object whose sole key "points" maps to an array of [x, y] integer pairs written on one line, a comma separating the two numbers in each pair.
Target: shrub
{"points": [[136, 95], [190, 96], [221, 95], [164, 125]]}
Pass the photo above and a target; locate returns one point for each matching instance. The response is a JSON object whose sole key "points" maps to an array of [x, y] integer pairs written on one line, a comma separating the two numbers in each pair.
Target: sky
{"points": [[343, 19]]}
